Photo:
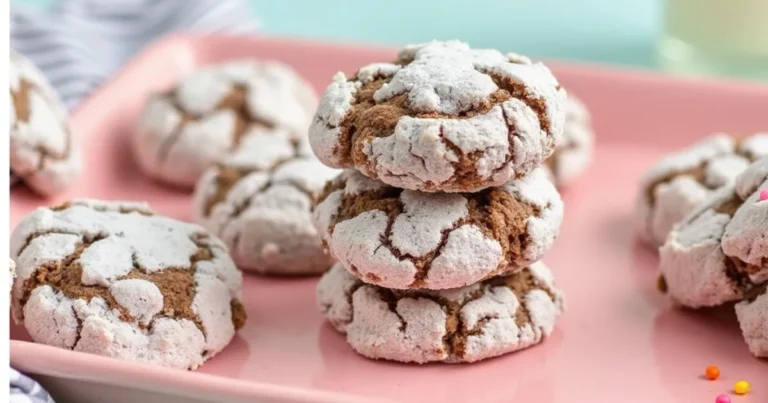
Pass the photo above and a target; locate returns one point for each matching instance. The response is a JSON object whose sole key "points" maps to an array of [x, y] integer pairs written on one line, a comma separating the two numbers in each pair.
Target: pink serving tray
{"points": [[619, 340]]}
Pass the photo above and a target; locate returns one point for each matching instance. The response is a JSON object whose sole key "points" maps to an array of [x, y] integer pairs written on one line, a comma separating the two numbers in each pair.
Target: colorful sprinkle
{"points": [[723, 399], [712, 372], [741, 387], [763, 195]]}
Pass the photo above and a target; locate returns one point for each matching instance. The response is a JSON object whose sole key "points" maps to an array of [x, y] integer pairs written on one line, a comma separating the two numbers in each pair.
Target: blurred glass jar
{"points": [[716, 37]]}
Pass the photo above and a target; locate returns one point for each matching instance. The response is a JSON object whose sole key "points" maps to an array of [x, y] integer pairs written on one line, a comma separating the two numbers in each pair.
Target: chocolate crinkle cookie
{"points": [[574, 147], [720, 252], [116, 279], [441, 118], [210, 112], [676, 185], [259, 202], [402, 239], [486, 319], [42, 151]]}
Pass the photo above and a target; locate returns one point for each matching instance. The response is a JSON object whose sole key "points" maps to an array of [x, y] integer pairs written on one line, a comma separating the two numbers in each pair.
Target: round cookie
{"points": [[707, 259], [42, 151], [672, 188], [573, 149], [259, 201], [401, 239], [483, 320], [115, 279], [210, 112], [441, 118], [752, 314]]}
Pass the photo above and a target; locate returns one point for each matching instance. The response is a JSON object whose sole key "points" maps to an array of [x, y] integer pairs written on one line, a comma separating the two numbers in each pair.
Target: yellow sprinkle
{"points": [[741, 387]]}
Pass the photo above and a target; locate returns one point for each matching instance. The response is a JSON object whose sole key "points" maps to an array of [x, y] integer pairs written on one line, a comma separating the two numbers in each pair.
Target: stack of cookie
{"points": [[444, 210]]}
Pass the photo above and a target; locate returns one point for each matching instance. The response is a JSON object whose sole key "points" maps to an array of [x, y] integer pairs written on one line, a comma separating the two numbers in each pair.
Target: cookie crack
{"points": [[78, 332], [36, 235], [511, 134], [464, 168], [520, 91], [227, 177], [737, 270], [698, 173], [391, 299], [235, 101], [422, 270]]}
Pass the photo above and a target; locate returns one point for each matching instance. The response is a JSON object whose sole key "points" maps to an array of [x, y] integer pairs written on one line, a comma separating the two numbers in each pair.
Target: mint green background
{"points": [[605, 31]]}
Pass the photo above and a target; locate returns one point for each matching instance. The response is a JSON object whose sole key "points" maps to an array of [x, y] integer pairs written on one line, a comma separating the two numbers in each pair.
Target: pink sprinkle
{"points": [[723, 399], [763, 195]]}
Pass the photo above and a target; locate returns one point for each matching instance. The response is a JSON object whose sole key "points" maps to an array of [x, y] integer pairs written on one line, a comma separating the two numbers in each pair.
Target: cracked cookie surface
{"points": [[400, 239], [210, 112], [43, 152], [752, 314], [486, 319], [673, 187], [115, 279], [718, 253], [441, 118], [574, 148], [259, 201]]}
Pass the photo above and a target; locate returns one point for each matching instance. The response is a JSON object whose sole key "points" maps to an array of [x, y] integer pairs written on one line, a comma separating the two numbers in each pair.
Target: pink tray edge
{"points": [[51, 361]]}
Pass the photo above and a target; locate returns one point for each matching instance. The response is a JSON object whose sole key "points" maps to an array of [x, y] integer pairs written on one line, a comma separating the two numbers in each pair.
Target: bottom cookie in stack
{"points": [[483, 320]]}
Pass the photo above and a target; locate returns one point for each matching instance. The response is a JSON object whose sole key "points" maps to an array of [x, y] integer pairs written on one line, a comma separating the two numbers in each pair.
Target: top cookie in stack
{"points": [[441, 118], [445, 208]]}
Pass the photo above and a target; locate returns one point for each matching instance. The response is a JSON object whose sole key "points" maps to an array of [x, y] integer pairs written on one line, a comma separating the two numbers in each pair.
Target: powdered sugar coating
{"points": [[468, 324], [259, 200], [574, 148], [753, 320], [123, 251], [434, 240], [746, 235], [213, 110], [513, 109], [692, 261], [672, 188], [42, 150]]}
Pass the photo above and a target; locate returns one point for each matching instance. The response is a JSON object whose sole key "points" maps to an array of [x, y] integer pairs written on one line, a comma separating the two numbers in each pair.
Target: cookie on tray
{"points": [[574, 148], [752, 314], [115, 279], [259, 202], [718, 253], [401, 239], [43, 152], [673, 187], [486, 319], [441, 118], [210, 112]]}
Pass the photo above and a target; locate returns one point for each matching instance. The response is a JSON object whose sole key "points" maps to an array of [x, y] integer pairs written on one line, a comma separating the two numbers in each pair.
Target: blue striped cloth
{"points": [[26, 390], [79, 44]]}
